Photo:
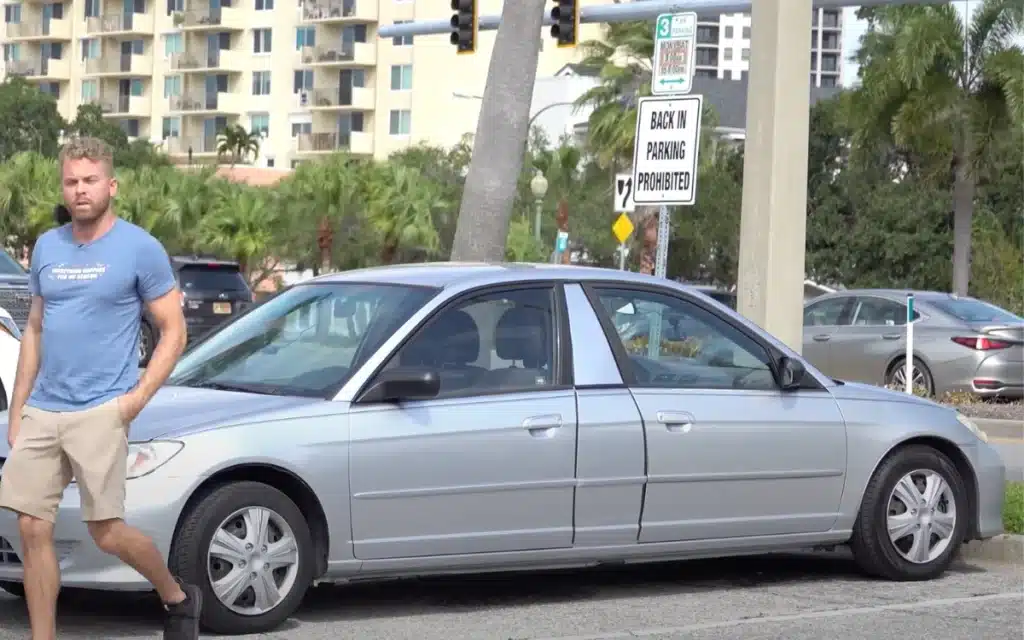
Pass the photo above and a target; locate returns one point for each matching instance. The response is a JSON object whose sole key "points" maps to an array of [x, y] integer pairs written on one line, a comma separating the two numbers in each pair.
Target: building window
{"points": [[745, 54], [174, 43], [303, 81], [90, 91], [12, 52], [172, 86], [401, 41], [305, 37], [261, 40], [746, 33], [300, 128], [172, 128], [260, 123], [175, 5], [12, 13], [400, 122], [90, 49], [401, 77], [727, 53], [728, 31], [270, 163], [130, 127], [136, 87], [264, 5], [261, 83]]}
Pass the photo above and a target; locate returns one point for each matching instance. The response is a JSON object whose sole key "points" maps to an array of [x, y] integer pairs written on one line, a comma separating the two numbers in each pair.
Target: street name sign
{"points": [[665, 150], [675, 39], [624, 193]]}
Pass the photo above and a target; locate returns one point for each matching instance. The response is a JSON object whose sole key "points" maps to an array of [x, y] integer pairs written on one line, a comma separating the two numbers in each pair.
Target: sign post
{"points": [[622, 229], [909, 364], [675, 39]]}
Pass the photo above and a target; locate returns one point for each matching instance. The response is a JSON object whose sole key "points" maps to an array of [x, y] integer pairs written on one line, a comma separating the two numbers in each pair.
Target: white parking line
{"points": [[813, 615]]}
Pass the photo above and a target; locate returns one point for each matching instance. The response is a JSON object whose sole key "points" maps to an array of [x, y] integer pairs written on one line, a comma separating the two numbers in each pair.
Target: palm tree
{"points": [[946, 90], [238, 143], [242, 226], [482, 230], [402, 208], [29, 190]]}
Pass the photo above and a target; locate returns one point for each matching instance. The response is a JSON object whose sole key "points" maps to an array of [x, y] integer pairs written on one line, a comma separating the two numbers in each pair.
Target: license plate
{"points": [[222, 308]]}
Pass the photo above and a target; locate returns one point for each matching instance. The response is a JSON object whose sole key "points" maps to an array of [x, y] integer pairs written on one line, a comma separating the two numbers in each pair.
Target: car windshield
{"points": [[212, 278], [304, 342], [971, 310], [9, 266]]}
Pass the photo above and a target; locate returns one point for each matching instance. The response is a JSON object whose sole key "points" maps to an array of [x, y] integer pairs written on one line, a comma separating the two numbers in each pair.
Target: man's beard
{"points": [[95, 212]]}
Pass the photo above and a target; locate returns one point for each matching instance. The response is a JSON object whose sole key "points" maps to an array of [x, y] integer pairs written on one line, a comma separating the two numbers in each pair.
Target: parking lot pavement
{"points": [[794, 596]]}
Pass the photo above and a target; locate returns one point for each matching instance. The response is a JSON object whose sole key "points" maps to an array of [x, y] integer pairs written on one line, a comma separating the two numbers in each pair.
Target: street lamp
{"points": [[539, 187]]}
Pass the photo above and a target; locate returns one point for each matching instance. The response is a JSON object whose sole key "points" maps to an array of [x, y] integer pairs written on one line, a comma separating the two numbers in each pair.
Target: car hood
{"points": [[860, 391], [12, 280], [179, 411]]}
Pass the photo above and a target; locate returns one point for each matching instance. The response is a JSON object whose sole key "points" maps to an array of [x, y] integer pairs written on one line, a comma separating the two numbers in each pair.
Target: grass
{"points": [[1013, 508]]}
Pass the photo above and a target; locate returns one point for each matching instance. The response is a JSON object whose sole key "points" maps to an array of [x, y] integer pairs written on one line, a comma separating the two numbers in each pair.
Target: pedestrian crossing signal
{"points": [[464, 26], [566, 18]]}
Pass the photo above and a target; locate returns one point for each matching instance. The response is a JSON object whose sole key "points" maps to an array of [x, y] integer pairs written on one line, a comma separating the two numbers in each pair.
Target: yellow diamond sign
{"points": [[622, 228]]}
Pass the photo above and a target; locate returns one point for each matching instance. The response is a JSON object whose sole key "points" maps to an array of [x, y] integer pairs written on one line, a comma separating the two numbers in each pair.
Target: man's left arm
{"points": [[159, 291]]}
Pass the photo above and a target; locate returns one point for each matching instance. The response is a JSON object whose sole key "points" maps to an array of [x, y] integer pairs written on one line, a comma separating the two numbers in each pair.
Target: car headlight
{"points": [[967, 422], [146, 457]]}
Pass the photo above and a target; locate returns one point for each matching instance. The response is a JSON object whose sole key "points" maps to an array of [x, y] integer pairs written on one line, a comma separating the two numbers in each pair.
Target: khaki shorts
{"points": [[51, 447]]}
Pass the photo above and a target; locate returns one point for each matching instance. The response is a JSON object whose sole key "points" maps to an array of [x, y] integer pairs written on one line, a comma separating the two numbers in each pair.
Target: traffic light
{"points": [[566, 17], [464, 26]]}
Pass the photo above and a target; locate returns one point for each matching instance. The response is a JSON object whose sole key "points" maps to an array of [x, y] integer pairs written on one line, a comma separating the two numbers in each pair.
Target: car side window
{"points": [[694, 348], [826, 313], [501, 342], [879, 312]]}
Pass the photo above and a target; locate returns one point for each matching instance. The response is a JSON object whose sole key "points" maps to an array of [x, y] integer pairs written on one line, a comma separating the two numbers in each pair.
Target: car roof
{"points": [[201, 261], [891, 294], [459, 274]]}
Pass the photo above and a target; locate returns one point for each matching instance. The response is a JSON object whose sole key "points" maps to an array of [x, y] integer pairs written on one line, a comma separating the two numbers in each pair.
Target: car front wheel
{"points": [[913, 516], [249, 549]]}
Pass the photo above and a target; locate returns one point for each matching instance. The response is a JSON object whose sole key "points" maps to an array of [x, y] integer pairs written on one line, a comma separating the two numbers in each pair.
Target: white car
{"points": [[10, 348]]}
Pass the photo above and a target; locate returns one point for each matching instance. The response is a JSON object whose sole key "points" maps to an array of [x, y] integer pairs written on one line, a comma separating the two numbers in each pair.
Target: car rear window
{"points": [[212, 278], [970, 310]]}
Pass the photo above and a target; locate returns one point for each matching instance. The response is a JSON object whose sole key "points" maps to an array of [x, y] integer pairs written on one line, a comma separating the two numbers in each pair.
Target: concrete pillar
{"points": [[774, 214]]}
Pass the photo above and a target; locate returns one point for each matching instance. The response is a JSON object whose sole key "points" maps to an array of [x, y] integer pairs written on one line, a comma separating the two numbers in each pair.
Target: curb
{"points": [[1002, 548]]}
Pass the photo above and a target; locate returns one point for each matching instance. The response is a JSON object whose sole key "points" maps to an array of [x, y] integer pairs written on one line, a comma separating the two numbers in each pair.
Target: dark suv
{"points": [[212, 292], [14, 295]]}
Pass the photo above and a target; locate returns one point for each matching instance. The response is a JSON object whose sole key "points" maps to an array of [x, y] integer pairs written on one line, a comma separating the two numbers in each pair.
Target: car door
{"points": [[876, 333], [489, 464], [729, 454], [822, 319]]}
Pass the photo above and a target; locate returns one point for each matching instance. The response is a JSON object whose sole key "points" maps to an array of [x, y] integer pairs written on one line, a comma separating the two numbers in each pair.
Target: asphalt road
{"points": [[797, 597]]}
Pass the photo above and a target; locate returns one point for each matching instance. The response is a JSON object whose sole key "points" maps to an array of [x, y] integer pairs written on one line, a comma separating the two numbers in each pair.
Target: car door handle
{"points": [[822, 337], [892, 336], [676, 421], [543, 426]]}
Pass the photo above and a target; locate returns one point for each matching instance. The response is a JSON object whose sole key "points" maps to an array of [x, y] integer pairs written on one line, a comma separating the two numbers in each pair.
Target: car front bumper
{"points": [[991, 476], [152, 505]]}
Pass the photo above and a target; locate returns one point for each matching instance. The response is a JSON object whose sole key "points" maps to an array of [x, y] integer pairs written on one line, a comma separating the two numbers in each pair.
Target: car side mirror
{"points": [[791, 373], [397, 385]]}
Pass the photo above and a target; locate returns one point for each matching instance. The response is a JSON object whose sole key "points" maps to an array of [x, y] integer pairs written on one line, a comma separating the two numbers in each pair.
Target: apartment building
{"points": [[312, 76], [723, 47]]}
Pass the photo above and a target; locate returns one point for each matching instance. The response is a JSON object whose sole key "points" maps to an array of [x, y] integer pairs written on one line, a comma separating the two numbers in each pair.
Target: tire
{"points": [[873, 550], [4, 405], [189, 558], [146, 345], [919, 366], [15, 589]]}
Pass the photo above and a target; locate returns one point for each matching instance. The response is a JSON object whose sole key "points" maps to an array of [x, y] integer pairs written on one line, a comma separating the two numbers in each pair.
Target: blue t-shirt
{"points": [[93, 295]]}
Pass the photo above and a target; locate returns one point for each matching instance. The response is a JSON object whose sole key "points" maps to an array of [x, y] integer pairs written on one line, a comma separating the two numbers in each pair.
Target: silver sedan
{"points": [[449, 418], [960, 344]]}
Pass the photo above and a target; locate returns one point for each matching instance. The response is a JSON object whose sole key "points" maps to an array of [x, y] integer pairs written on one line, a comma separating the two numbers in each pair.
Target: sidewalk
{"points": [[1001, 429]]}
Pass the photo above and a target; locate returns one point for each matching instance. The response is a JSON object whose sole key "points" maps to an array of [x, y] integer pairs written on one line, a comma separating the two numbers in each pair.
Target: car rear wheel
{"points": [[145, 344], [16, 589], [897, 376], [248, 547], [913, 516]]}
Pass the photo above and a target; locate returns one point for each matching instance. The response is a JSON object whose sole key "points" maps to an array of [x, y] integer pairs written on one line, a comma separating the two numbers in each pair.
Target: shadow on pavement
{"points": [[112, 615]]}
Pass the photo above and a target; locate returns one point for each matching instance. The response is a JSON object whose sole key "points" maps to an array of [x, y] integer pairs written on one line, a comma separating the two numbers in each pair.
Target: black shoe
{"points": [[182, 619]]}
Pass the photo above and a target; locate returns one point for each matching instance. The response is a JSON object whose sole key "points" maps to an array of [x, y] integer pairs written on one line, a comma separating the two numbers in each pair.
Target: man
{"points": [[78, 386]]}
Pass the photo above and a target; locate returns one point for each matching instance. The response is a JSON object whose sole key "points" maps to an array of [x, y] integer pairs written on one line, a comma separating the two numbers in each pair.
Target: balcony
{"points": [[206, 60], [179, 146], [203, 103], [39, 30], [346, 54], [328, 98], [120, 24], [211, 18], [339, 11], [46, 69], [325, 142], [120, 65], [125, 106]]}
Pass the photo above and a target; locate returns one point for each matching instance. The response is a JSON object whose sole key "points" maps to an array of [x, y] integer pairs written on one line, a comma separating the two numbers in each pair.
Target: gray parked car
{"points": [[424, 419], [960, 343]]}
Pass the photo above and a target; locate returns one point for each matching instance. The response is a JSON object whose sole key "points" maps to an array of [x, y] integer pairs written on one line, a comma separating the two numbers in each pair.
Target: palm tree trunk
{"points": [[500, 142], [964, 186]]}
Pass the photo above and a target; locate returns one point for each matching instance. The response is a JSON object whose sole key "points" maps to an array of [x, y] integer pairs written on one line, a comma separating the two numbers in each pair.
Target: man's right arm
{"points": [[28, 360]]}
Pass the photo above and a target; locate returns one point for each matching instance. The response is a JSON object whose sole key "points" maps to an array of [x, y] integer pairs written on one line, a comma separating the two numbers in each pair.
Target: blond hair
{"points": [[88, 148]]}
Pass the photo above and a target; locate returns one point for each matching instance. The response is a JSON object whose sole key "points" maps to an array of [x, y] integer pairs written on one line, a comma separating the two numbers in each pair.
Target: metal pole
{"points": [[909, 364], [609, 14], [661, 255], [537, 209], [622, 256]]}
